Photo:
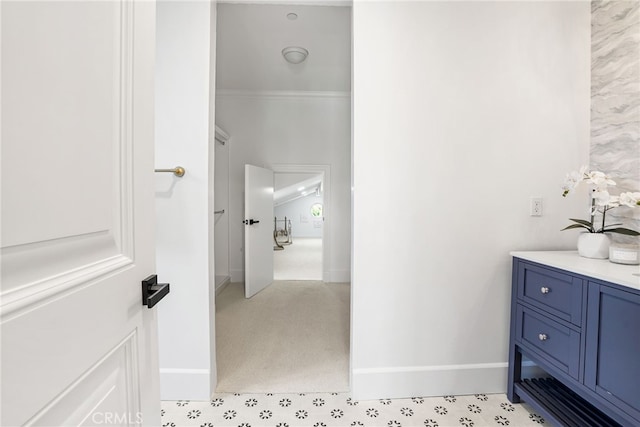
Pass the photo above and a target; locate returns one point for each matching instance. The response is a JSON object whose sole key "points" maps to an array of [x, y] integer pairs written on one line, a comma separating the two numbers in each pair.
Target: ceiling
{"points": [[300, 185], [250, 39]]}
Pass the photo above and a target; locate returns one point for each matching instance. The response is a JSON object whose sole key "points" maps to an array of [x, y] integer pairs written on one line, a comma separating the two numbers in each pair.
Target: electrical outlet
{"points": [[536, 206]]}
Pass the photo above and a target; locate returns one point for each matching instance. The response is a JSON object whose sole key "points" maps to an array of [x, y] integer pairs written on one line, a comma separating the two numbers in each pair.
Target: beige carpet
{"points": [[293, 337], [301, 260]]}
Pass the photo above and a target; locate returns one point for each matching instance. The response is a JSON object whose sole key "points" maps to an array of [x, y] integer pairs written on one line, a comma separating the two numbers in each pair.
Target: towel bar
{"points": [[178, 171]]}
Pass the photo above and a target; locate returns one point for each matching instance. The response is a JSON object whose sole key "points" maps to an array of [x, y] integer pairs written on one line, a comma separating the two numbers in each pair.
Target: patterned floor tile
{"points": [[339, 410]]}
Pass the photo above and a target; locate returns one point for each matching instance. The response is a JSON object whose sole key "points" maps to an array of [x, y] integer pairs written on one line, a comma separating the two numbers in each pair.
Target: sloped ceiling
{"points": [[296, 189], [250, 39]]}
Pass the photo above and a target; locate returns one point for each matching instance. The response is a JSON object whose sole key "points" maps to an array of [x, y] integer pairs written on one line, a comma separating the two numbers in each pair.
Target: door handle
{"points": [[251, 221], [152, 292]]}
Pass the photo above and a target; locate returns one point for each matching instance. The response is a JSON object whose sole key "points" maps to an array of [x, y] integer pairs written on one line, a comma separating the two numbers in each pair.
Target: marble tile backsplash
{"points": [[615, 100]]}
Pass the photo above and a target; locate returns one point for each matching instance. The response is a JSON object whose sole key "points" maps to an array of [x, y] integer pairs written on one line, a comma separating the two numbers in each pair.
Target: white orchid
{"points": [[631, 199], [573, 179], [600, 180], [601, 200]]}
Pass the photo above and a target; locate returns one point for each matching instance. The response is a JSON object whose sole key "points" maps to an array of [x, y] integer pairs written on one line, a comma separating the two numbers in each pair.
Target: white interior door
{"points": [[258, 229], [78, 347]]}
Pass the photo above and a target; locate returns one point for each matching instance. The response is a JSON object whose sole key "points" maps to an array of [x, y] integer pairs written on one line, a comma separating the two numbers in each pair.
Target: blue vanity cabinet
{"points": [[612, 365], [583, 331]]}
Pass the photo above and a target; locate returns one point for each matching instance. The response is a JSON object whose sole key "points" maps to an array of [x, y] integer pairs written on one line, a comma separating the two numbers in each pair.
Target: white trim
{"points": [[223, 284], [25, 297], [185, 384], [396, 369], [231, 93], [221, 135], [127, 348], [123, 229], [440, 380]]}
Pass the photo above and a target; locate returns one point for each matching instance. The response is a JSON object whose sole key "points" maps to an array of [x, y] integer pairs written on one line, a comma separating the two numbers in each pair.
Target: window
{"points": [[316, 210]]}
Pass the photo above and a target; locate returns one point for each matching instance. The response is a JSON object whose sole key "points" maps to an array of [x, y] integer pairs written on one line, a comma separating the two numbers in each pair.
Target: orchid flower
{"points": [[572, 180], [600, 180], [631, 199], [601, 200]]}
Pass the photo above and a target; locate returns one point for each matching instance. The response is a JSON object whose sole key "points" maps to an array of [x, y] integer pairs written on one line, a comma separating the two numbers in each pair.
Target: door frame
{"points": [[325, 171]]}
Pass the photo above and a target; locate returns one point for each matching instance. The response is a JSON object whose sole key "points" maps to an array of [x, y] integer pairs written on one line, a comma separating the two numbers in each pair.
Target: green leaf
{"points": [[569, 227], [582, 221], [621, 230]]}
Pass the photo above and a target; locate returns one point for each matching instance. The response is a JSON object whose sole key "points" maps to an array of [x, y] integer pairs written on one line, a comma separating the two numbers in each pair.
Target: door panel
{"points": [[106, 386], [77, 203], [258, 237], [40, 41], [50, 120], [613, 345]]}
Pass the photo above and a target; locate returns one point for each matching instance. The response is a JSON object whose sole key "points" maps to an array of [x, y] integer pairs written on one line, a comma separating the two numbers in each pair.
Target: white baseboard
{"points": [[185, 384], [333, 276], [223, 284], [424, 381]]}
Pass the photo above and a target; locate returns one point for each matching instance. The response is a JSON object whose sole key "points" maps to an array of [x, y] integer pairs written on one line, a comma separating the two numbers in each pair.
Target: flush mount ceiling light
{"points": [[294, 54]]}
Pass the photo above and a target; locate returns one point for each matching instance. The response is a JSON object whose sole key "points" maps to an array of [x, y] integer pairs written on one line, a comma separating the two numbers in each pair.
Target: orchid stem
{"points": [[593, 214]]}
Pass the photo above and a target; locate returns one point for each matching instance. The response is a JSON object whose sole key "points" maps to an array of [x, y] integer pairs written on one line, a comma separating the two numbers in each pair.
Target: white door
{"points": [[258, 229], [78, 347]]}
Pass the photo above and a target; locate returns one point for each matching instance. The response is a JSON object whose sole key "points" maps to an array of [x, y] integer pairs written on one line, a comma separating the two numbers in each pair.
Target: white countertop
{"points": [[603, 269]]}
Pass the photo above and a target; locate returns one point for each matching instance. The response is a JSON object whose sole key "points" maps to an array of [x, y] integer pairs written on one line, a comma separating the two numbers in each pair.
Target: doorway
{"points": [[300, 212], [294, 119]]}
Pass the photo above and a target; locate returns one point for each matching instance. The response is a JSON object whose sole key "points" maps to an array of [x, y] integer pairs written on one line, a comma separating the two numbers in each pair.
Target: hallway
{"points": [[292, 337]]}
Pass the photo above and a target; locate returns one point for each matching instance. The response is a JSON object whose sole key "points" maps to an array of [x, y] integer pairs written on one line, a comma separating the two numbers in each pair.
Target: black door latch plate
{"points": [[152, 292]]}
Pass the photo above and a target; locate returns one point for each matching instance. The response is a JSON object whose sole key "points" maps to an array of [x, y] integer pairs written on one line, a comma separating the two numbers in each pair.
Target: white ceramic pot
{"points": [[594, 245]]}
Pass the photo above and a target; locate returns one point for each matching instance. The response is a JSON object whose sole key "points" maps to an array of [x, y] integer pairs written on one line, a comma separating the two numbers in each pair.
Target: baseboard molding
{"points": [[332, 276], [185, 384], [222, 284], [412, 381]]}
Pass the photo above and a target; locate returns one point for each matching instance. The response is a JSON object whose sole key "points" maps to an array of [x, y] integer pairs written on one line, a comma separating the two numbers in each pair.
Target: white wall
{"points": [[185, 316], [462, 112], [289, 128], [294, 210], [221, 202]]}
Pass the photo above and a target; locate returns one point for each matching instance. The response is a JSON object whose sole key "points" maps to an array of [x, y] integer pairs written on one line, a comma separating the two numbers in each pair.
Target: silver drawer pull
{"points": [[544, 290], [542, 337]]}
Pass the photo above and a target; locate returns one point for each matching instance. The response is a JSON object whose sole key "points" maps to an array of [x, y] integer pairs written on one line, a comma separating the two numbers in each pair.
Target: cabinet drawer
{"points": [[552, 291], [559, 345]]}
